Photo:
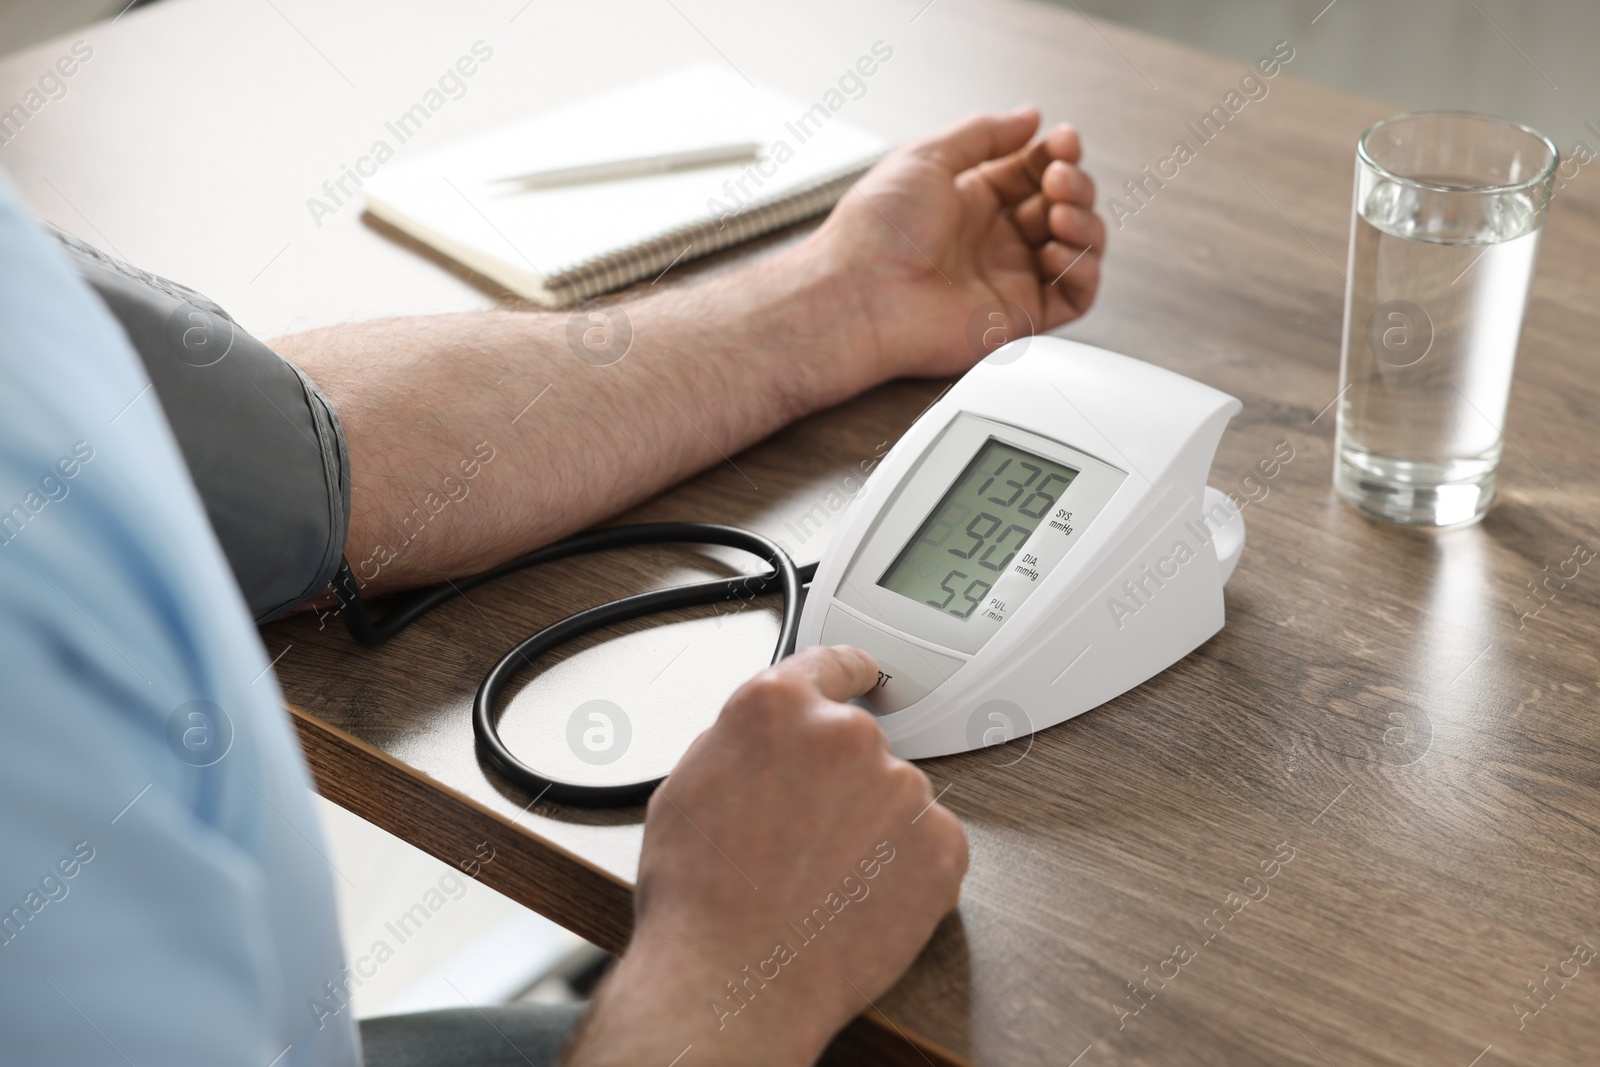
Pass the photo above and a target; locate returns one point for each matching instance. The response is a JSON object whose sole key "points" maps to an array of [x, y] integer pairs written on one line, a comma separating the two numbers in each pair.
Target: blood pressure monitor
{"points": [[1040, 541]]}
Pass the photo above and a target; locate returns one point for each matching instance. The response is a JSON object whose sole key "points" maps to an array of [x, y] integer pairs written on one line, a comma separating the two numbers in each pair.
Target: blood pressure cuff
{"points": [[263, 445]]}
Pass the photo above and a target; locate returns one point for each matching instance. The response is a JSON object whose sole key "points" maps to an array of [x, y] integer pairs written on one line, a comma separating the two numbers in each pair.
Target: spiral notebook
{"points": [[562, 244]]}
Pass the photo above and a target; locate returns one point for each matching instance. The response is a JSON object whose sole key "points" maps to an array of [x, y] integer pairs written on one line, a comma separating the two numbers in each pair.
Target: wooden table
{"points": [[1412, 761]]}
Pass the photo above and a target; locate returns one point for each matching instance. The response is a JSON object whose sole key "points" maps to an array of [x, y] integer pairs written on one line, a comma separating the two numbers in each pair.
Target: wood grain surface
{"points": [[1359, 826]]}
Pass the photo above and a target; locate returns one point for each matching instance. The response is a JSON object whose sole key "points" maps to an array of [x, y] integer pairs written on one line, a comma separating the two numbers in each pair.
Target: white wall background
{"points": [[1532, 61]]}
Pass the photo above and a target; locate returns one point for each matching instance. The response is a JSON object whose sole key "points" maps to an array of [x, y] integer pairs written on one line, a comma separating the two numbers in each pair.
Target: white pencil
{"points": [[636, 166]]}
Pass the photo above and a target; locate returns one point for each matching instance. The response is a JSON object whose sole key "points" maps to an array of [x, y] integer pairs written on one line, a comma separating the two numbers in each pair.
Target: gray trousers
{"points": [[514, 1035]]}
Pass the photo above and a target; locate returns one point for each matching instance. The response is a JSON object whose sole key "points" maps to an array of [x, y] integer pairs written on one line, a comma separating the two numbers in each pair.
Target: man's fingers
{"points": [[980, 138], [1067, 183], [1072, 225], [1021, 174], [1061, 263], [1017, 176], [1032, 219], [1039, 219], [1073, 272], [1065, 143], [838, 672]]}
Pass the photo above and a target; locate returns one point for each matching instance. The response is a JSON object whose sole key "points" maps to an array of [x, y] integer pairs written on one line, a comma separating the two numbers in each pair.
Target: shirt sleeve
{"points": [[164, 892]]}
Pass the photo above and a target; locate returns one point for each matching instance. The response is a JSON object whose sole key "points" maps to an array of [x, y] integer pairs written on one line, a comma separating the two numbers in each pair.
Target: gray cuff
{"points": [[263, 445]]}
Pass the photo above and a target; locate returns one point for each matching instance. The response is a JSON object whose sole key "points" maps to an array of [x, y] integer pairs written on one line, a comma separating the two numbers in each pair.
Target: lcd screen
{"points": [[969, 540]]}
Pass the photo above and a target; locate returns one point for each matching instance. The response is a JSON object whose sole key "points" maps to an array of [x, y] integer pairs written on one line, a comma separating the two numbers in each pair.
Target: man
{"points": [[165, 899]]}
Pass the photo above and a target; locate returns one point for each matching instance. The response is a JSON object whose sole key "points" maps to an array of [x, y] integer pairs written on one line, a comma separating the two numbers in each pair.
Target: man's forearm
{"points": [[475, 437]]}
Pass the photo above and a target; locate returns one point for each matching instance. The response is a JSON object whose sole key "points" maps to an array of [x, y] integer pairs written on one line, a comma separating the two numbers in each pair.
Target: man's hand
{"points": [[972, 216], [792, 868]]}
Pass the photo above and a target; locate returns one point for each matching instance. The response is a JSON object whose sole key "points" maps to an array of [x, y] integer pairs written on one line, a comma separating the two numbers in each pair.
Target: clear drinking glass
{"points": [[1449, 208]]}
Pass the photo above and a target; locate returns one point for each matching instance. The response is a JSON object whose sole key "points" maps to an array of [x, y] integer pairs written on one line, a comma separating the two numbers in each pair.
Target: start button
{"points": [[906, 672]]}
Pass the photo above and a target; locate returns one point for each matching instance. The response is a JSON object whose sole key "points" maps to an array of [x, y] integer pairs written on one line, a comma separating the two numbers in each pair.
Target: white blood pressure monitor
{"points": [[1041, 540]]}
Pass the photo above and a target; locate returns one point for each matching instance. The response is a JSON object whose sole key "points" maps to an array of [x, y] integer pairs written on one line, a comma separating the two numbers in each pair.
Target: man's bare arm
{"points": [[883, 289], [709, 371]]}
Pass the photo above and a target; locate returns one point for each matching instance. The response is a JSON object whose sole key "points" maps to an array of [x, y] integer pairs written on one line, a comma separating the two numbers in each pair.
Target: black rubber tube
{"points": [[784, 577]]}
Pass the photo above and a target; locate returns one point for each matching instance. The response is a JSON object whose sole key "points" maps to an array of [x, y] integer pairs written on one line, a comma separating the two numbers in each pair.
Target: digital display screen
{"points": [[983, 519]]}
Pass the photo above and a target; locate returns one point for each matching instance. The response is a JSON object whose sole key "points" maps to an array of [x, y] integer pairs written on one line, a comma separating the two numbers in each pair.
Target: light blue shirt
{"points": [[165, 897]]}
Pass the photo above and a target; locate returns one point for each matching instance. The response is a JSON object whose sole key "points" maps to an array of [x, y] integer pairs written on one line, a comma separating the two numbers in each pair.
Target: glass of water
{"points": [[1449, 208]]}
